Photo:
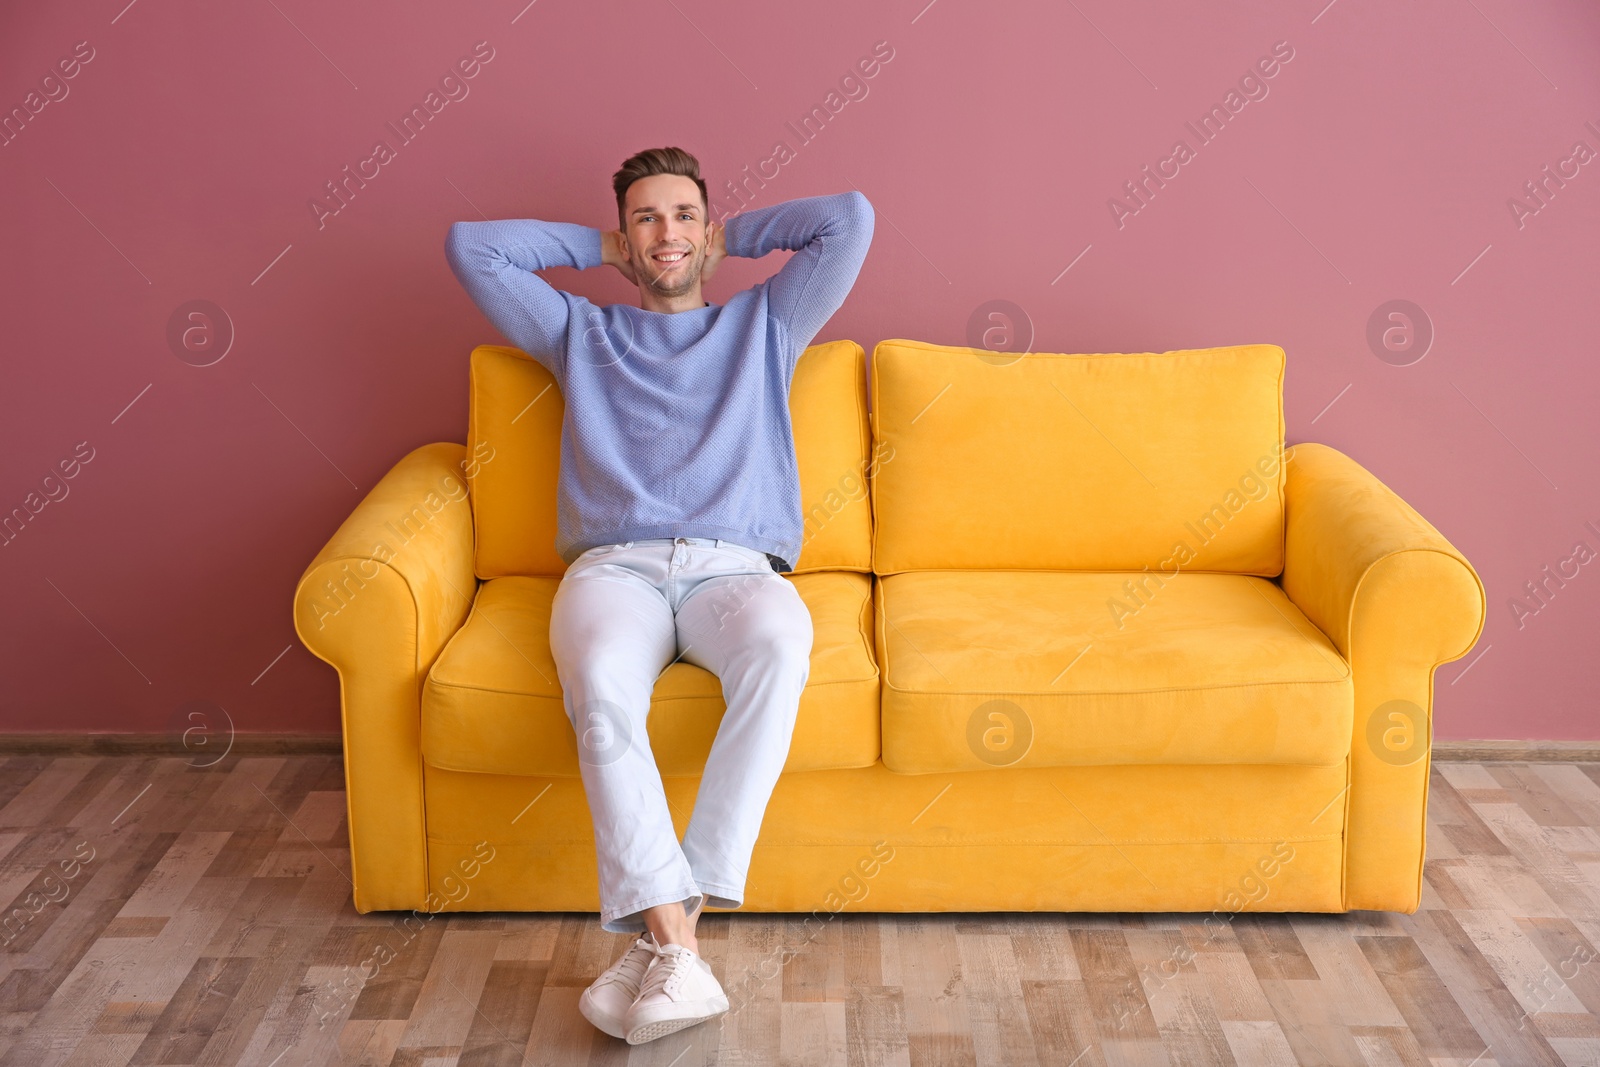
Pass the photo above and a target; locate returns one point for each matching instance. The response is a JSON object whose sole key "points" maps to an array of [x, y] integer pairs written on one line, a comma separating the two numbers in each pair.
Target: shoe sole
{"points": [[662, 1027]]}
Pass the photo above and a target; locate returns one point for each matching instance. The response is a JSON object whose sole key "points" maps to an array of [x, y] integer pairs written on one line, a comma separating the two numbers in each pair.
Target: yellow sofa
{"points": [[1088, 638]]}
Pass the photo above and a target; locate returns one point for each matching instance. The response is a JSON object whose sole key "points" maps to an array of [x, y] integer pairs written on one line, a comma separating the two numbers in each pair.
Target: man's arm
{"points": [[494, 262], [829, 236]]}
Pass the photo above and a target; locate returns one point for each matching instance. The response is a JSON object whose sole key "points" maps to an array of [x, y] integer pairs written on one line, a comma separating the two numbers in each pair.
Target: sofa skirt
{"points": [[1157, 838]]}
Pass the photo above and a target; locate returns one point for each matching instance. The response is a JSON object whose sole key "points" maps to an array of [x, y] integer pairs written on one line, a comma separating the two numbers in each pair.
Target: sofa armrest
{"points": [[378, 603], [1397, 600]]}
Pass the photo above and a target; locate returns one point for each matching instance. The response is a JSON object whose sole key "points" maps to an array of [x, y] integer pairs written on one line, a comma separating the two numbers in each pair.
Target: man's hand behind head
{"points": [[612, 244], [716, 251]]}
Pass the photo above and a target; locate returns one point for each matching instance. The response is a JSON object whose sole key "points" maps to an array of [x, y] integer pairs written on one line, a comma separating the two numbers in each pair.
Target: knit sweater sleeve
{"points": [[829, 236], [494, 262]]}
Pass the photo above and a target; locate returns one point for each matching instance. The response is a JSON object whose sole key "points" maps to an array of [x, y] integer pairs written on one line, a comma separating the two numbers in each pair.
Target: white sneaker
{"points": [[607, 999], [678, 990]]}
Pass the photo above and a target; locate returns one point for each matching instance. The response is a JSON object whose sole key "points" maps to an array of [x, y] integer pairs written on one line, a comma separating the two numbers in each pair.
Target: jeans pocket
{"points": [[752, 555], [603, 550]]}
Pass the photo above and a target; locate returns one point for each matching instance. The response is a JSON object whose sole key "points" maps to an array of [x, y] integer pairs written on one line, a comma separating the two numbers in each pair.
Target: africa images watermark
{"points": [[1541, 992], [339, 596], [851, 888], [1542, 591], [53, 889], [53, 89], [851, 487], [355, 979], [1142, 190], [1252, 889], [1000, 732], [852, 88], [453, 86], [1542, 189], [55, 490], [1211, 522]]}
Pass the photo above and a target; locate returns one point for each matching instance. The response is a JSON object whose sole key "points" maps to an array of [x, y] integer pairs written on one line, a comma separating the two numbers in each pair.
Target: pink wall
{"points": [[181, 160]]}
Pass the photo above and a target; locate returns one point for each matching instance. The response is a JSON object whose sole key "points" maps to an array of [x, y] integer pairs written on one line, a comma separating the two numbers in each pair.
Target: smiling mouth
{"points": [[670, 259]]}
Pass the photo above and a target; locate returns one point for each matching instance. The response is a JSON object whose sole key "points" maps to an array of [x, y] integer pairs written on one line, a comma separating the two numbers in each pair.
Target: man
{"points": [[678, 509]]}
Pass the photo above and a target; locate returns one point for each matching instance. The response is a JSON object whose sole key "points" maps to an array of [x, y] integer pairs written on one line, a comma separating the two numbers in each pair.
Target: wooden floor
{"points": [[203, 916]]}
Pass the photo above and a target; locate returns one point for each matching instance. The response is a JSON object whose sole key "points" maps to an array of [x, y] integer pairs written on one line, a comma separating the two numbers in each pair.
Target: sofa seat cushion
{"points": [[1054, 669], [492, 701]]}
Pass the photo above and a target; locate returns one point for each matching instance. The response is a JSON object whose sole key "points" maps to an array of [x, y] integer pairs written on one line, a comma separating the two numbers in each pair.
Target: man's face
{"points": [[666, 232]]}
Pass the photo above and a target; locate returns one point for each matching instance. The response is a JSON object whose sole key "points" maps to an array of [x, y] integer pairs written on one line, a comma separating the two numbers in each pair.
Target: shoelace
{"points": [[667, 970], [633, 965]]}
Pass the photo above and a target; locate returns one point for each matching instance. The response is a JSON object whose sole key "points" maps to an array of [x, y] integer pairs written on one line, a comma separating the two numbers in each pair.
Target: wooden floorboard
{"points": [[206, 919]]}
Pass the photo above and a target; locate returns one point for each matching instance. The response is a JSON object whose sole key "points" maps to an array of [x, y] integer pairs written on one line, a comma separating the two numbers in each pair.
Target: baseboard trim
{"points": [[129, 744], [296, 744], [1516, 751]]}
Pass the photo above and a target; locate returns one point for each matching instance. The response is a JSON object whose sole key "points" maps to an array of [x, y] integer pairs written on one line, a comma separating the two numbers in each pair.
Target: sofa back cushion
{"points": [[1043, 461], [514, 457]]}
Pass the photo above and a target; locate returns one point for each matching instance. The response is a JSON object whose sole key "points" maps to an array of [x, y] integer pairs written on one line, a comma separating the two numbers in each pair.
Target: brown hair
{"points": [[650, 162]]}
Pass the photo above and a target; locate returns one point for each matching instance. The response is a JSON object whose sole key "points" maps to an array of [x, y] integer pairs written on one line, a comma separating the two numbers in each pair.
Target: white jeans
{"points": [[621, 615]]}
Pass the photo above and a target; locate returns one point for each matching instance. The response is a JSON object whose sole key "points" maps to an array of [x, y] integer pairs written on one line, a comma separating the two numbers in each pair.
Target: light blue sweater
{"points": [[677, 425]]}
